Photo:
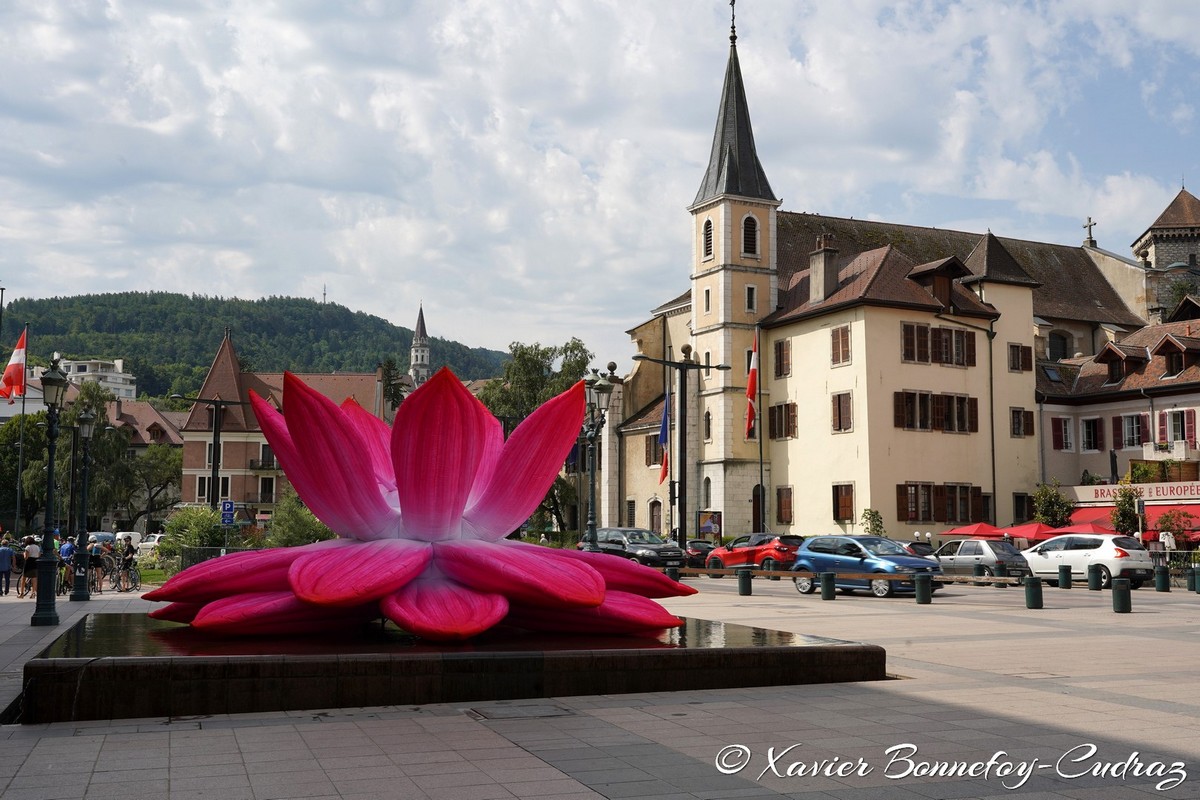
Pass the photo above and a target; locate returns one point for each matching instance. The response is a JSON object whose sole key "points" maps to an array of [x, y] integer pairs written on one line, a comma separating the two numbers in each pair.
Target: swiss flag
{"points": [[13, 383]]}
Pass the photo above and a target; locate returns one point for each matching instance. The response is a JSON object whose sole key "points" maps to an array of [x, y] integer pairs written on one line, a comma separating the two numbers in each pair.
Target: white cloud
{"points": [[523, 168]]}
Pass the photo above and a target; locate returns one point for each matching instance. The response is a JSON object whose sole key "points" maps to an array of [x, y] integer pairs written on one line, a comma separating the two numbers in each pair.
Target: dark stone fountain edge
{"points": [[64, 688]]}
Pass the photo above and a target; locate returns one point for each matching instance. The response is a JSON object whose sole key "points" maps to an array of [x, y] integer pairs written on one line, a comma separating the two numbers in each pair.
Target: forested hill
{"points": [[168, 340]]}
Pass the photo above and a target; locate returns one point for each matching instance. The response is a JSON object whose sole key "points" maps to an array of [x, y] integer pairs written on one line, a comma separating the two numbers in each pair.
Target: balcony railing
{"points": [[1178, 450], [260, 499], [264, 464]]}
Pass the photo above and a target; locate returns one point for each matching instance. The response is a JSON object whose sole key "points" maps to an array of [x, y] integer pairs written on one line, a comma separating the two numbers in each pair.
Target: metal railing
{"points": [[191, 556], [264, 464]]}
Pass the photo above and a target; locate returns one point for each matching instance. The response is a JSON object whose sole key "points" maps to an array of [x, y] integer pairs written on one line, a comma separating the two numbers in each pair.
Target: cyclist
{"points": [[127, 557], [96, 562], [33, 552]]}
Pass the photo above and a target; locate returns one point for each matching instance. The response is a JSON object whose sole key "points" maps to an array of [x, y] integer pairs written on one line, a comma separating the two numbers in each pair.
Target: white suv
{"points": [[1118, 557]]}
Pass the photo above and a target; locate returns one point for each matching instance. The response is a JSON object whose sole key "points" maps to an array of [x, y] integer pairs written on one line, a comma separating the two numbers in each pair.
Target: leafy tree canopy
{"points": [[1124, 515], [168, 340], [1050, 506]]}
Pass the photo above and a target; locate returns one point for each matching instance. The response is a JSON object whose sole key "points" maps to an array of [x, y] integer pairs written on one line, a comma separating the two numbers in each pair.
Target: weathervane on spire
{"points": [[732, 22]]}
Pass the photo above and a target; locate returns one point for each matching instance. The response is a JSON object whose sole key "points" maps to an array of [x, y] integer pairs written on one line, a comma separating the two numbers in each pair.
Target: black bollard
{"points": [[744, 577], [1064, 576], [1196, 578], [1094, 577], [1122, 602], [978, 571], [1033, 591], [1162, 578], [828, 590], [924, 589], [673, 573], [1190, 577]]}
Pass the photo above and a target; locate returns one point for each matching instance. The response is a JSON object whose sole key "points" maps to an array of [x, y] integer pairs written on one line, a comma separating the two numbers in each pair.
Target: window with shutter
{"points": [[843, 502], [750, 236], [1056, 433], [841, 412], [923, 344], [1026, 358], [783, 505], [839, 339], [708, 238], [783, 357], [631, 513]]}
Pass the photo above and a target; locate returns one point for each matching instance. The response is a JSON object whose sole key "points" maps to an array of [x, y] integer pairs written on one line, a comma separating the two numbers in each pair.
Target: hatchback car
{"points": [[1118, 556], [697, 552], [640, 546], [149, 543], [959, 557], [766, 551], [843, 555]]}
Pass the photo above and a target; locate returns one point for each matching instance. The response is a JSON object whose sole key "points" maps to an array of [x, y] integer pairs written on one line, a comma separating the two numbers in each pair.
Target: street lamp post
{"points": [[218, 407], [598, 387], [683, 366], [86, 422], [54, 389]]}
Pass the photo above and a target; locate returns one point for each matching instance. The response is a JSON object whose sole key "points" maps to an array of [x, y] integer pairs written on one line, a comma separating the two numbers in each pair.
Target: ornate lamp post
{"points": [[681, 422], [54, 389], [86, 422], [598, 387]]}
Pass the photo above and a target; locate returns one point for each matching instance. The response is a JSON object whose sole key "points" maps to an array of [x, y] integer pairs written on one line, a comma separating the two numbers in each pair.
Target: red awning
{"points": [[1098, 514], [1153, 513]]}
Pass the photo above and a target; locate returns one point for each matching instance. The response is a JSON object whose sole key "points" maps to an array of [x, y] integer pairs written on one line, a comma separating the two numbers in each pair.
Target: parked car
{"points": [[920, 549], [149, 543], [697, 552], [640, 546], [843, 555], [767, 551], [1118, 556], [959, 557]]}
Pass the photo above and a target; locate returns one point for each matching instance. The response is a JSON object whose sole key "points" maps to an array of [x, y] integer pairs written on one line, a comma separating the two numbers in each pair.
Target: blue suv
{"points": [[848, 555]]}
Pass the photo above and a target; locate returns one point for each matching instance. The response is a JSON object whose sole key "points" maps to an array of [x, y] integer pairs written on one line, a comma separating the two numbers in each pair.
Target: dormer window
{"points": [[1115, 372], [750, 236], [941, 289], [1174, 364], [708, 238]]}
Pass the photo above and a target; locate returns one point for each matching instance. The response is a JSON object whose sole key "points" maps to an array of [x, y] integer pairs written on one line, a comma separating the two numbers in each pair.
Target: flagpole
{"points": [[21, 442], [766, 517]]}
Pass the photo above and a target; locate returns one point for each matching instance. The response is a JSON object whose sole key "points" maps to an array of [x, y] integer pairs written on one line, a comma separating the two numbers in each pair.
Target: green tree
{"points": [[532, 376], [25, 434], [151, 482], [1050, 505], [1176, 521], [293, 524], [393, 388], [194, 526], [1124, 516]]}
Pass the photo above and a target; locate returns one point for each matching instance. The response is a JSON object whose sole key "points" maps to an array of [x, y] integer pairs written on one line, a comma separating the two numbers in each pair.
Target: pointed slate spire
{"points": [[419, 333], [1183, 212], [733, 166]]}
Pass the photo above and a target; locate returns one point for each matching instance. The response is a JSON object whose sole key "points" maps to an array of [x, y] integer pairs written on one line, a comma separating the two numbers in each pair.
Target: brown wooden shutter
{"points": [[898, 409], [847, 412], [1099, 436], [1189, 426], [970, 348], [779, 373], [1026, 358], [973, 414], [649, 450], [1056, 433], [937, 345], [1162, 426], [923, 343], [791, 420], [1143, 428], [1118, 433], [1027, 423], [938, 412], [976, 504], [939, 503], [844, 337], [908, 342], [902, 502]]}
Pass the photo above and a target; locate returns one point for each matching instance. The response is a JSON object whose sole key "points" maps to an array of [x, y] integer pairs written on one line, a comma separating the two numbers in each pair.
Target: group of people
{"points": [[22, 558]]}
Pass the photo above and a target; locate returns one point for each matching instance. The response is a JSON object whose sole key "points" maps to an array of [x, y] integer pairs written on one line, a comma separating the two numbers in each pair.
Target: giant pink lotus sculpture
{"points": [[421, 512]]}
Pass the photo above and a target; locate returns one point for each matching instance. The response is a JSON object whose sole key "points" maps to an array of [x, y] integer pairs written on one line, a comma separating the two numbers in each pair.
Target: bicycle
{"points": [[131, 577], [62, 584]]}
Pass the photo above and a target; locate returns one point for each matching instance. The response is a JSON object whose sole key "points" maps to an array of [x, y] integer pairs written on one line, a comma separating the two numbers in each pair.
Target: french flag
{"points": [[664, 435]]}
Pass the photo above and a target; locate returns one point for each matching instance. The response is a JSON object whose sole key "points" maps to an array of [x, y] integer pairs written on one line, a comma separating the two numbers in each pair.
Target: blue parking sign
{"points": [[226, 506]]}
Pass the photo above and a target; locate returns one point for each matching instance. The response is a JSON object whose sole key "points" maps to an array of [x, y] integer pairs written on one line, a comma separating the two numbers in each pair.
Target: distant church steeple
{"points": [[418, 354]]}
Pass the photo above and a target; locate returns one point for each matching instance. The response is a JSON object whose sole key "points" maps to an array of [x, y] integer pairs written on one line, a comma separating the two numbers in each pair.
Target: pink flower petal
{"points": [[442, 610], [438, 443], [620, 574], [619, 613], [251, 571], [531, 459], [493, 446], [277, 613], [519, 575], [337, 477], [375, 438], [177, 612], [361, 573]]}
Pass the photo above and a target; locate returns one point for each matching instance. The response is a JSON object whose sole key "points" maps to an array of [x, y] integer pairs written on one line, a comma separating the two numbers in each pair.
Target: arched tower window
{"points": [[707, 427], [708, 238], [750, 235], [708, 492]]}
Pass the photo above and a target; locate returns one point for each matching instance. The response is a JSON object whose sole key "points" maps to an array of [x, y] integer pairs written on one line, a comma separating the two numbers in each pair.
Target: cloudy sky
{"points": [[523, 167]]}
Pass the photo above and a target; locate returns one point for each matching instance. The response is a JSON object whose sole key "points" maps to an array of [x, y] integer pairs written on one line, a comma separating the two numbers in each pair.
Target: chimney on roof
{"points": [[822, 269], [117, 409]]}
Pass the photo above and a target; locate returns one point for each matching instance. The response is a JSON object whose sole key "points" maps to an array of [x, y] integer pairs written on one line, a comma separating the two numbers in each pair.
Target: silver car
{"points": [[959, 557], [1118, 557]]}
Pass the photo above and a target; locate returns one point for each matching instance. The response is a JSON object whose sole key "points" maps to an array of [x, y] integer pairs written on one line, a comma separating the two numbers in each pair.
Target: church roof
{"points": [[1071, 285], [420, 333], [733, 165]]}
